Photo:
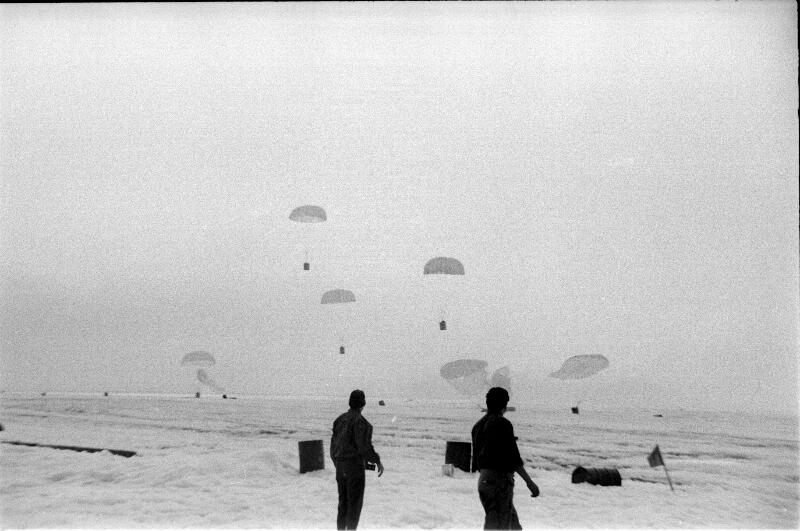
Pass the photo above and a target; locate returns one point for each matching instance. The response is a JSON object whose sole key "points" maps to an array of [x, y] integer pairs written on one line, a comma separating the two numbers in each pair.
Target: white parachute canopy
{"points": [[203, 377], [442, 265], [202, 360], [198, 358], [582, 366], [336, 296], [468, 377], [308, 214], [501, 378]]}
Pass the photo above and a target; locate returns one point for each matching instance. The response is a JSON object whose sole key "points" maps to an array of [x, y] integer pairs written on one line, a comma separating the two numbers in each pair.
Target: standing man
{"points": [[351, 450], [495, 454]]}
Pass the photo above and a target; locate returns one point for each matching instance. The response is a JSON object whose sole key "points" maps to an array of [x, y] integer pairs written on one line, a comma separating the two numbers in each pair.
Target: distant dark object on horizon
{"points": [[306, 266], [341, 350], [44, 394], [105, 393], [224, 396], [381, 403], [1, 427], [575, 410], [659, 415], [123, 453], [442, 325], [197, 394]]}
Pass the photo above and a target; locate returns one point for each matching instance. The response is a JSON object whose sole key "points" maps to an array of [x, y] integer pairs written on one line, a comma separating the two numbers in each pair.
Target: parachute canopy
{"points": [[198, 358], [203, 377], [308, 214], [501, 378], [443, 266], [468, 377], [581, 366], [336, 296]]}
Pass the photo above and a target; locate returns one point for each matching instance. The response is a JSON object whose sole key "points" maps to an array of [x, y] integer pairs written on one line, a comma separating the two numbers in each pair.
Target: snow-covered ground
{"points": [[209, 463]]}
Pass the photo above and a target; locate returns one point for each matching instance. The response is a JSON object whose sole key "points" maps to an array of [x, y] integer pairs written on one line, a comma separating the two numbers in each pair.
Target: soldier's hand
{"points": [[534, 489], [380, 469]]}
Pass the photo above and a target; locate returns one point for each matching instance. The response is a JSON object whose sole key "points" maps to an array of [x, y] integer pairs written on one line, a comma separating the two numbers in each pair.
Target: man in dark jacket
{"points": [[351, 450], [495, 454]]}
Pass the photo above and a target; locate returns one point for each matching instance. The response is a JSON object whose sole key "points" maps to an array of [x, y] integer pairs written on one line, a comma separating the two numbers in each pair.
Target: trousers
{"points": [[350, 480], [496, 491]]}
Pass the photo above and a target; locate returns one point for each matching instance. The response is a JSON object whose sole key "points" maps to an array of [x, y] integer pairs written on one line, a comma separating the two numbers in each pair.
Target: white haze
{"points": [[618, 178]]}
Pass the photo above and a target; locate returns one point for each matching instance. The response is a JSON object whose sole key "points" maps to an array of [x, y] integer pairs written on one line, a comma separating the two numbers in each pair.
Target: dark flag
{"points": [[655, 457]]}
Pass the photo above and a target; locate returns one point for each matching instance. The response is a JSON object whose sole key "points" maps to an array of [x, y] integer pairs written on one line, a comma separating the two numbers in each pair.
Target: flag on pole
{"points": [[655, 458]]}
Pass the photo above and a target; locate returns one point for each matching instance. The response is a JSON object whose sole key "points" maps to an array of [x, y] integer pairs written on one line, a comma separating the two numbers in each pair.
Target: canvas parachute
{"points": [[583, 366], [471, 378], [442, 265], [198, 358], [308, 214], [580, 367], [501, 378], [467, 376], [203, 377], [201, 360], [336, 297]]}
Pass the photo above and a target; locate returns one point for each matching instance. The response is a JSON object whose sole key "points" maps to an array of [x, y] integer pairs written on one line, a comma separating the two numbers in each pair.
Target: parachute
{"points": [[580, 367], [203, 360], [583, 366], [308, 214], [203, 377], [470, 378], [442, 265], [467, 376], [338, 296], [501, 378], [198, 358]]}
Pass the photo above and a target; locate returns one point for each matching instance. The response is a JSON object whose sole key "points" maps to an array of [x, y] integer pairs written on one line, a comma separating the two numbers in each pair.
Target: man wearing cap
{"points": [[495, 454], [351, 450]]}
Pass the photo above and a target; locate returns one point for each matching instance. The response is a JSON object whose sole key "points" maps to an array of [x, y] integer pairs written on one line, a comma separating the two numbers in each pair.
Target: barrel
{"points": [[306, 266], [605, 477], [459, 455], [442, 325], [312, 455]]}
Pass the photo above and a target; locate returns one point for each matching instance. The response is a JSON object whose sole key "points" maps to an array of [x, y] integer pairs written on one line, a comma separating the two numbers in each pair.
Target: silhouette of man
{"points": [[351, 450], [495, 454]]}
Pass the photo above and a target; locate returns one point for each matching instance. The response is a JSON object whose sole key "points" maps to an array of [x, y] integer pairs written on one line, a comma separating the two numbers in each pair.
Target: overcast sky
{"points": [[617, 179]]}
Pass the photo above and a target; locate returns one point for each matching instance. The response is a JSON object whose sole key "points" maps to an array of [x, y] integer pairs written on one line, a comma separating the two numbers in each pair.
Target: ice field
{"points": [[214, 463]]}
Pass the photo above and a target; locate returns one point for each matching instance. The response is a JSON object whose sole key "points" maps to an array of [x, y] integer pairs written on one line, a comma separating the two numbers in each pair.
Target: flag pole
{"points": [[667, 473]]}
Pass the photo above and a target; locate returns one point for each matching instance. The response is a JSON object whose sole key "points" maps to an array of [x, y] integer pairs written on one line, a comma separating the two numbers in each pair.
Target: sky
{"points": [[617, 179]]}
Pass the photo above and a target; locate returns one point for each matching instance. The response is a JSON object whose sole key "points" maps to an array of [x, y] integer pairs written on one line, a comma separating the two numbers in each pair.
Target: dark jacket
{"points": [[494, 446], [352, 438]]}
